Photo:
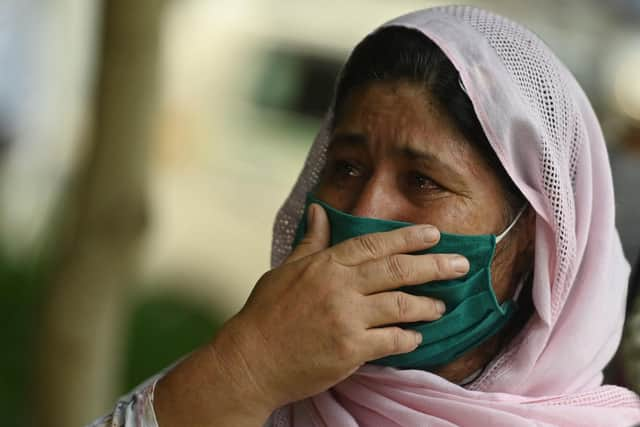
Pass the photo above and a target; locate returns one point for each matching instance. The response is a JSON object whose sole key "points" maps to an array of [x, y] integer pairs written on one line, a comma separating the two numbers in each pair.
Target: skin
{"points": [[313, 321], [395, 154]]}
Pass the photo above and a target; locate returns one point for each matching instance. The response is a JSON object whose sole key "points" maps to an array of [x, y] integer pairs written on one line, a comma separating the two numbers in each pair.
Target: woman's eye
{"points": [[342, 174], [421, 182], [346, 169]]}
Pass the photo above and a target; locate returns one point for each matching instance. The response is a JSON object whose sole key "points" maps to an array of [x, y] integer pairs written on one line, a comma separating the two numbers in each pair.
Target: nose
{"points": [[378, 199]]}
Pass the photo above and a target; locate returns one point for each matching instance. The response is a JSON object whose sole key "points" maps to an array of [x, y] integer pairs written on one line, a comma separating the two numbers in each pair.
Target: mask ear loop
{"points": [[464, 89], [514, 222], [524, 279], [520, 286]]}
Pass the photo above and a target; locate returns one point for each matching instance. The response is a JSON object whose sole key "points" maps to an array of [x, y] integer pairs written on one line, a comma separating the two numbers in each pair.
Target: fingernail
{"points": [[418, 338], [310, 214], [440, 307], [430, 234], [460, 264]]}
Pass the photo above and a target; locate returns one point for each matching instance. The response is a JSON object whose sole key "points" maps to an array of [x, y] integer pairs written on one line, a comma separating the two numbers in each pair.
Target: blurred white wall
{"points": [[46, 63]]}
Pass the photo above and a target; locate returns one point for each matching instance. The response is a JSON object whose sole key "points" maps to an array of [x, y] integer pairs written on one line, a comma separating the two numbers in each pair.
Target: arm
{"points": [[306, 326], [137, 409], [219, 389]]}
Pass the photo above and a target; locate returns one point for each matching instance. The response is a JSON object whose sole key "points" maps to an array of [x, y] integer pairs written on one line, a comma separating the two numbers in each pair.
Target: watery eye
{"points": [[347, 169], [421, 182]]}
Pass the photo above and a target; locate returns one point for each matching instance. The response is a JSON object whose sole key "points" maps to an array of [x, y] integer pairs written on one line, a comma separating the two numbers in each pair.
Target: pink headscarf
{"points": [[547, 137]]}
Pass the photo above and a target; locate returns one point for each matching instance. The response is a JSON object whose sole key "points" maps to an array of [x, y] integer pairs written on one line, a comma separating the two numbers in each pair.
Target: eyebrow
{"points": [[415, 153]]}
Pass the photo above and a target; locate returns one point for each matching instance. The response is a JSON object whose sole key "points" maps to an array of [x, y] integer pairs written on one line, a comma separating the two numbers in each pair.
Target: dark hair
{"points": [[396, 53]]}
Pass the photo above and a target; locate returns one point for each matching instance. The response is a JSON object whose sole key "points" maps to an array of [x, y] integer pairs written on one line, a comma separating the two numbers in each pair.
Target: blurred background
{"points": [[145, 147]]}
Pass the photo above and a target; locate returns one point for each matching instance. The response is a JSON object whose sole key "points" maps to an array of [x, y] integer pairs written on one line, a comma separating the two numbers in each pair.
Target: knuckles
{"points": [[403, 306], [397, 269], [396, 341], [340, 323], [369, 245], [439, 265], [345, 348]]}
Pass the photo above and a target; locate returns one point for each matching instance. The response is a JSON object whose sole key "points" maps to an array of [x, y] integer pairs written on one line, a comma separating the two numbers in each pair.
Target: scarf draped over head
{"points": [[547, 137]]}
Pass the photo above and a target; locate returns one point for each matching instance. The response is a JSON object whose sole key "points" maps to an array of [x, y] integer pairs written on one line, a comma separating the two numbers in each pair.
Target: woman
{"points": [[464, 122]]}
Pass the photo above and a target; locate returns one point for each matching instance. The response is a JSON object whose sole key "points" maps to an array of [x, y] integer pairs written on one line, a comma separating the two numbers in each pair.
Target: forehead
{"points": [[402, 114]]}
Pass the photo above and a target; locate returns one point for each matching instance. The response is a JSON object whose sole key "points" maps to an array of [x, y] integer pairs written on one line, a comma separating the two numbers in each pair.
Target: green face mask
{"points": [[473, 313]]}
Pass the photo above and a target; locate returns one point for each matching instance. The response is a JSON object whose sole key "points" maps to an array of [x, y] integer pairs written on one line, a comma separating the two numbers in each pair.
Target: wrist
{"points": [[237, 361], [211, 387]]}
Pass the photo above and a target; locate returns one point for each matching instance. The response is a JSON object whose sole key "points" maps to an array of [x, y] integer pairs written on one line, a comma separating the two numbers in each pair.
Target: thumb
{"points": [[316, 237]]}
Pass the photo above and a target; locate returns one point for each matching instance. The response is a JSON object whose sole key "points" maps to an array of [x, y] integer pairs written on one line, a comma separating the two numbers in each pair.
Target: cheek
{"points": [[501, 274], [340, 195], [459, 215], [340, 200], [449, 215], [485, 210]]}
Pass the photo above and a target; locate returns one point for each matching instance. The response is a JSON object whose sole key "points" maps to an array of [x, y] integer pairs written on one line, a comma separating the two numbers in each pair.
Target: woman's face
{"points": [[395, 154]]}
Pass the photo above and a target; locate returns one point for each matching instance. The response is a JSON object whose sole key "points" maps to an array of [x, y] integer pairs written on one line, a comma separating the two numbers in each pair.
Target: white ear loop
{"points": [[464, 89], [516, 294], [505, 232], [520, 286]]}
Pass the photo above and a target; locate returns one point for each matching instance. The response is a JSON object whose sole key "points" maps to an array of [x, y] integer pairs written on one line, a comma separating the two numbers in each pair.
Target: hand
{"points": [[313, 321]]}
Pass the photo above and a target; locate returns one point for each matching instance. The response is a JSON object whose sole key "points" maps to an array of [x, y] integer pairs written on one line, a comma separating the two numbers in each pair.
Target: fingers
{"points": [[377, 245], [381, 342], [394, 271], [317, 236], [400, 307]]}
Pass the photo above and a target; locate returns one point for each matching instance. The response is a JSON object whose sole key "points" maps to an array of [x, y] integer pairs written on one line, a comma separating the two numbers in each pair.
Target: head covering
{"points": [[547, 137]]}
